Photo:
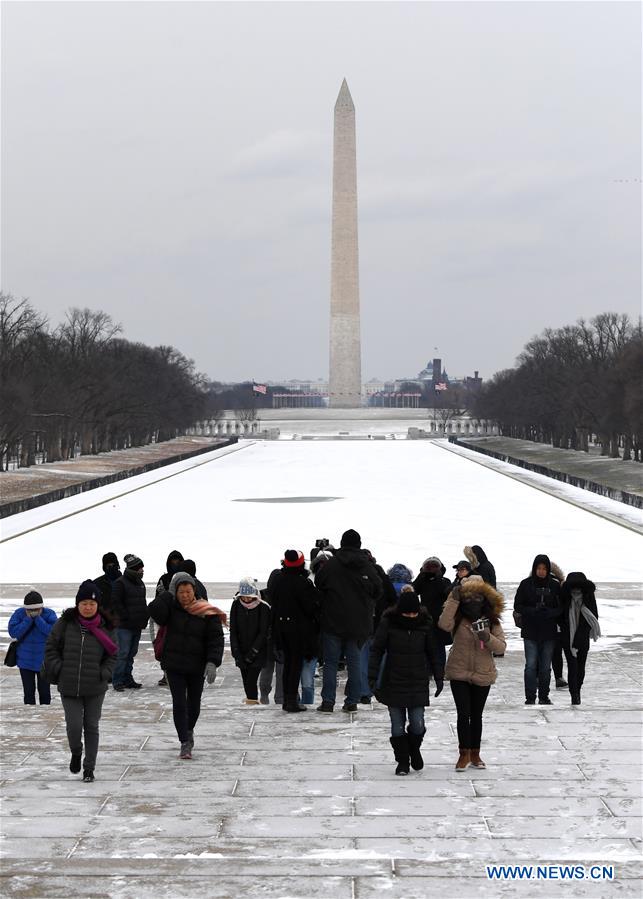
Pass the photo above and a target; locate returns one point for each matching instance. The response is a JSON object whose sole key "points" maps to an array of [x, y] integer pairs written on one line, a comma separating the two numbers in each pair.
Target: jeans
{"points": [[250, 676], [127, 649], [29, 680], [265, 678], [469, 700], [186, 690], [538, 655], [82, 713], [308, 681], [332, 648], [365, 690], [575, 669], [398, 720]]}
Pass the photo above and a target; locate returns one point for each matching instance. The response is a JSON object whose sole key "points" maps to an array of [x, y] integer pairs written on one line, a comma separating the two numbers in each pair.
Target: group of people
{"points": [[389, 629]]}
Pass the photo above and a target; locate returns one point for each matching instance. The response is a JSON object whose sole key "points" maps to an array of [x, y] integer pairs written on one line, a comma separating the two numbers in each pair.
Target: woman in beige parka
{"points": [[472, 615]]}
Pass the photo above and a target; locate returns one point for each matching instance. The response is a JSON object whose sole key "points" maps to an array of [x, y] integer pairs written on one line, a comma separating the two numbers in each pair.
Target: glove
{"points": [[210, 672], [252, 655], [485, 635], [439, 685]]}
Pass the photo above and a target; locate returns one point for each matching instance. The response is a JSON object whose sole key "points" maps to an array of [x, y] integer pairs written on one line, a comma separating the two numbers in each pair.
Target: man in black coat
{"points": [[537, 610], [350, 589], [130, 610], [111, 573]]}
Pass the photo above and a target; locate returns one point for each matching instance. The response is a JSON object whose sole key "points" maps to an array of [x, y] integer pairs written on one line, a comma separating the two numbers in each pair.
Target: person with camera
{"points": [[472, 615], [537, 611], [402, 660]]}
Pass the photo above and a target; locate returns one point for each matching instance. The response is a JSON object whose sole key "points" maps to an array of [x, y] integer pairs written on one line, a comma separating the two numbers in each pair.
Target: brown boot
{"points": [[463, 761], [476, 761]]}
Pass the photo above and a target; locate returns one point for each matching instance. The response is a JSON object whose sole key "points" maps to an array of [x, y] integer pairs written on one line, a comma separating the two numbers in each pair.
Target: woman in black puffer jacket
{"points": [[192, 650], [79, 657], [402, 660]]}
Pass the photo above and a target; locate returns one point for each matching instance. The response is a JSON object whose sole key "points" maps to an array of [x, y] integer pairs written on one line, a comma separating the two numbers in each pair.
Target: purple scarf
{"points": [[93, 625]]}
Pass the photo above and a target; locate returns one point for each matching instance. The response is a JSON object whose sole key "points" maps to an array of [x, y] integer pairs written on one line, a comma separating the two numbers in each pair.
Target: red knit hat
{"points": [[293, 558]]}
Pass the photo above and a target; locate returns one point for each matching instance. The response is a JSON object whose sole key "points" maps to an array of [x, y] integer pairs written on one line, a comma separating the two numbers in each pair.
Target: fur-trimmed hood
{"points": [[471, 556], [475, 586]]}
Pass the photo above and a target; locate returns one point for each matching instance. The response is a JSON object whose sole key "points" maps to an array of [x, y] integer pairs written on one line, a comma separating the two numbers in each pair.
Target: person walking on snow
{"points": [[30, 625], [472, 615], [249, 631], [130, 611], [192, 651], [433, 587], [578, 623], [402, 660], [79, 658]]}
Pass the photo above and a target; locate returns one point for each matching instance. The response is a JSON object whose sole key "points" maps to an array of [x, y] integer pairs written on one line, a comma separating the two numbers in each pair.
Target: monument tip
{"points": [[344, 99]]}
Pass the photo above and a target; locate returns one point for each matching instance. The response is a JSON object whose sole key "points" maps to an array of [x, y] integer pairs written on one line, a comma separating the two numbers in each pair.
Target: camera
{"points": [[480, 624], [322, 543]]}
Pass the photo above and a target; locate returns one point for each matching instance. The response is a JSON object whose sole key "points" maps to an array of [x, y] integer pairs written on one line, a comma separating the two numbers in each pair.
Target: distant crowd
{"points": [[388, 629]]}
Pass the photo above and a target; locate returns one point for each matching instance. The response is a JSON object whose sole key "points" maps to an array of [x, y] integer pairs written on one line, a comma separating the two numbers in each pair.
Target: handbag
{"points": [[159, 642], [11, 657], [380, 673]]}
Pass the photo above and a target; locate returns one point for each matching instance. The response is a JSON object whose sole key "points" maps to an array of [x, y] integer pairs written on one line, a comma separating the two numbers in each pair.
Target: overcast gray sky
{"points": [[170, 163]]}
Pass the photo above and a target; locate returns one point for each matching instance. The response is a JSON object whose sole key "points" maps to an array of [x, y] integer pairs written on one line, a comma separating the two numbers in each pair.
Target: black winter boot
{"points": [[415, 741], [401, 752], [75, 763]]}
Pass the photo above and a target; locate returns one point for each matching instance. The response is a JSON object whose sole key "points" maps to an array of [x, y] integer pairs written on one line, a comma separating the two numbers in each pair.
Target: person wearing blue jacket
{"points": [[30, 626]]}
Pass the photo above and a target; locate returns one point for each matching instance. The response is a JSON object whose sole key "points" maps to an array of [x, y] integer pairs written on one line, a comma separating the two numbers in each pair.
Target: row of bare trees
{"points": [[574, 386], [82, 388]]}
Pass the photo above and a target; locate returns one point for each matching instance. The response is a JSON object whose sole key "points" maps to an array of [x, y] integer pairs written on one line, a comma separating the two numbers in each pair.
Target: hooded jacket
{"points": [[75, 660], [249, 631], [433, 590], [481, 564], [399, 575], [537, 607], [469, 659], [32, 635], [128, 601], [411, 659], [191, 641], [166, 577], [350, 589], [576, 580]]}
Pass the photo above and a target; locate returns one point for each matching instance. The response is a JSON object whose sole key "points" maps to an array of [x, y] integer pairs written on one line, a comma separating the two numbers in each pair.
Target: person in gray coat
{"points": [[79, 658]]}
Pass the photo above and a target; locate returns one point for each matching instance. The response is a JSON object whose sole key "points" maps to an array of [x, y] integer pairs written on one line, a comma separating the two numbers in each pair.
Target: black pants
{"points": [[469, 701], [82, 714], [186, 690], [29, 680], [557, 659], [250, 676], [293, 660], [575, 669]]}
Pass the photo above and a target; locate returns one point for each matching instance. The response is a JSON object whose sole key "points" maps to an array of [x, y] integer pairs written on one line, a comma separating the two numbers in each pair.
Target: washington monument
{"points": [[345, 382]]}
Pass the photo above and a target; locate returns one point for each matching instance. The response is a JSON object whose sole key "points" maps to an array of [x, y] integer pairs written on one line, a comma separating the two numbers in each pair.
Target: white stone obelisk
{"points": [[345, 382]]}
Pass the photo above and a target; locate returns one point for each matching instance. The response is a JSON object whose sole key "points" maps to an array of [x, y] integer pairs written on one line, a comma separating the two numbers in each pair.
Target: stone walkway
{"points": [[613, 473], [275, 805]]}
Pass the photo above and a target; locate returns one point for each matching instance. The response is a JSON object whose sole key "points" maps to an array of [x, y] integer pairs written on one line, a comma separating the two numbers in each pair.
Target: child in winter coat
{"points": [[79, 657], [30, 625], [249, 631], [402, 659]]}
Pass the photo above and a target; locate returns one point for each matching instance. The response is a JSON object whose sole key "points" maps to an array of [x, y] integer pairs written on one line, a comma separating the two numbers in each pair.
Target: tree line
{"points": [[82, 388], [573, 386]]}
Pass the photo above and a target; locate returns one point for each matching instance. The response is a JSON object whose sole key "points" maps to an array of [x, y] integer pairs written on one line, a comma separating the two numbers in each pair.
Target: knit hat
{"points": [[88, 590], [463, 564], [33, 600], [181, 577], [133, 562], [432, 562], [408, 602], [109, 559], [351, 539], [293, 558], [248, 587]]}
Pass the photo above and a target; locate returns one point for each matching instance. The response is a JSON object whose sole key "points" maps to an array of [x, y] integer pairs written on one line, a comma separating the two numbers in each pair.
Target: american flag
{"points": [[259, 388], [441, 386]]}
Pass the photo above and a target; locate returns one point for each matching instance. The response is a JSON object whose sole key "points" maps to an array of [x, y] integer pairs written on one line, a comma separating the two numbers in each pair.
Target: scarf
{"points": [[576, 608], [93, 625], [202, 609], [250, 604]]}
